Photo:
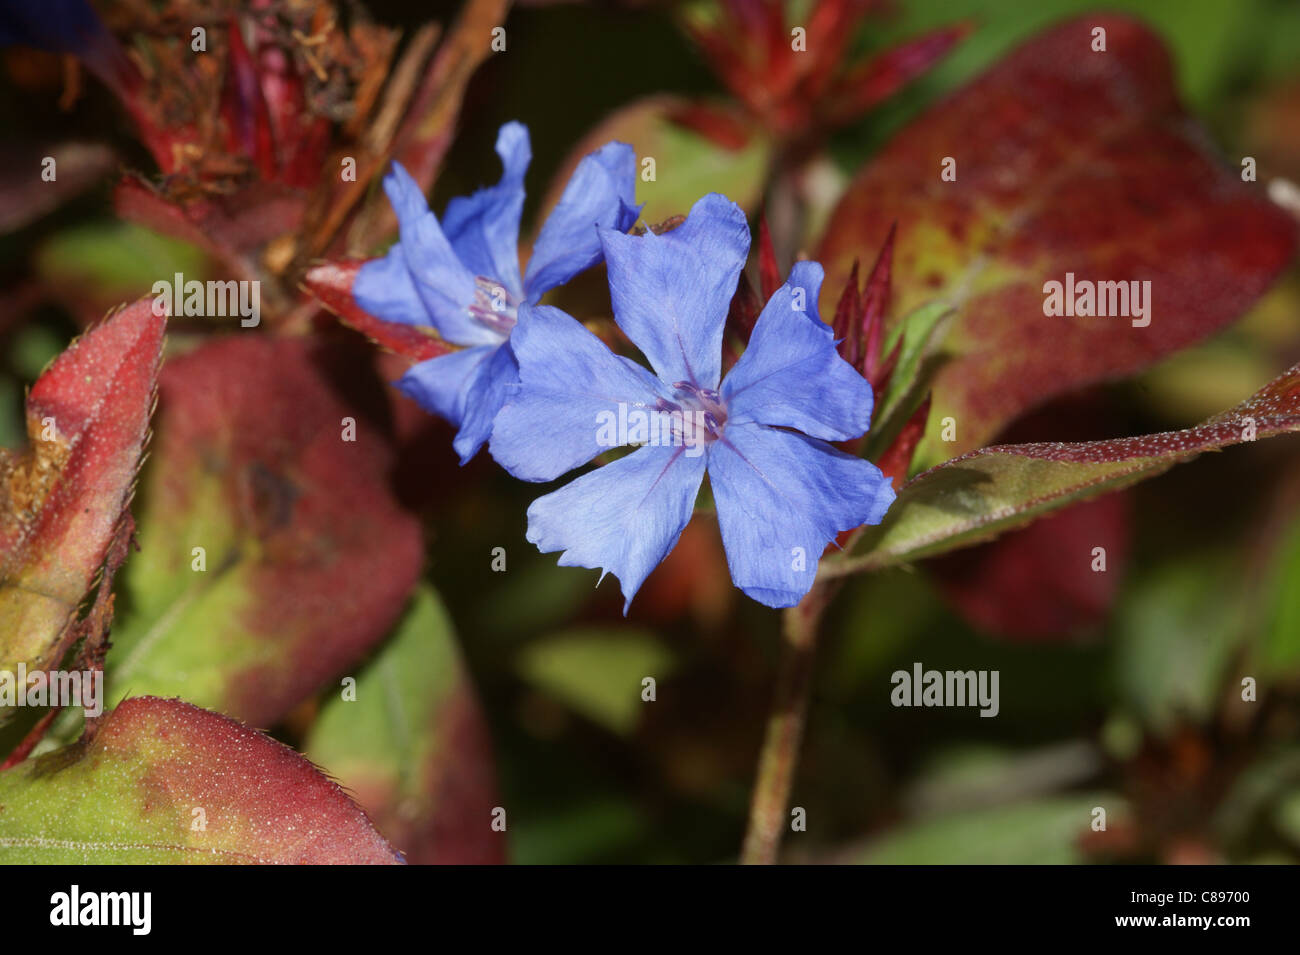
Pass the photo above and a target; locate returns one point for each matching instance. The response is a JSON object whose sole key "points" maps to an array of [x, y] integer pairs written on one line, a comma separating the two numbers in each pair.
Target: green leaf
{"points": [[1281, 645], [1178, 633], [1041, 832], [574, 835], [115, 260], [597, 673], [686, 164], [166, 782], [1287, 816], [922, 332], [412, 746]]}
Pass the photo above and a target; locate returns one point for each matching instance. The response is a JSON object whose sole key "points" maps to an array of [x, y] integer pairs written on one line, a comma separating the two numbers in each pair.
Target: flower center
{"points": [[493, 306], [698, 416]]}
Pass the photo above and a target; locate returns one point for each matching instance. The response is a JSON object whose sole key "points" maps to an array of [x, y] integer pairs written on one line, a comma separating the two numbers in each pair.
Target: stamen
{"points": [[704, 407]]}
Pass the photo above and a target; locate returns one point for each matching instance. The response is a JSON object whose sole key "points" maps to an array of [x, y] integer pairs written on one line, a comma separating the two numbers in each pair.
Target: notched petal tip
{"points": [[623, 518]]}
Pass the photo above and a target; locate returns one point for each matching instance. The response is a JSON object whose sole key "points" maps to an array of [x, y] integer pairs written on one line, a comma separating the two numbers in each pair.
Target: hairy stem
{"points": [[780, 754]]}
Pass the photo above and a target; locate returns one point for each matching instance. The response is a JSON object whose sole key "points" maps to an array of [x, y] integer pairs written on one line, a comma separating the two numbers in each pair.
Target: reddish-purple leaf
{"points": [[1066, 160], [878, 79], [247, 117], [229, 227], [845, 322], [896, 461], [875, 303], [795, 89], [273, 552], [1043, 581]]}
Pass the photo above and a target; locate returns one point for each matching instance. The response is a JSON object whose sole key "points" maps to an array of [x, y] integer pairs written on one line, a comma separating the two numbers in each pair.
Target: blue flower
{"points": [[461, 276], [782, 492]]}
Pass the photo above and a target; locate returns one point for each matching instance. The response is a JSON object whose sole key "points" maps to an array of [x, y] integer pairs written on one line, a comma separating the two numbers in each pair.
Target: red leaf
{"points": [[715, 123], [875, 302], [63, 501], [1038, 583], [1067, 160], [226, 226], [878, 79], [244, 107], [845, 324], [332, 284], [896, 460]]}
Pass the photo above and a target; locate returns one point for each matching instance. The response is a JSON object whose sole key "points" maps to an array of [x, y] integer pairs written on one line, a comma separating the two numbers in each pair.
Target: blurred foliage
{"points": [[589, 771]]}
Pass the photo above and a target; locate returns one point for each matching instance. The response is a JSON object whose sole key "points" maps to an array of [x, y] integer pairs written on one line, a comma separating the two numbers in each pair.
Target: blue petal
{"points": [[383, 287], [623, 518], [671, 292], [495, 380], [781, 498], [567, 379], [444, 286], [791, 375], [484, 228], [601, 192], [442, 385]]}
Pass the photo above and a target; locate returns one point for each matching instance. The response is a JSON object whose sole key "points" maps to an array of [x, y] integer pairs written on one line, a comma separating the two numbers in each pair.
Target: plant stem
{"points": [[780, 755]]}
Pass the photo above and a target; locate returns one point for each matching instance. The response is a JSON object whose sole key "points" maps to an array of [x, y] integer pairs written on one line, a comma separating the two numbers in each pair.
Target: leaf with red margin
{"points": [[135, 792], [979, 495], [65, 499], [1042, 582], [307, 559], [332, 282], [1066, 160], [413, 746]]}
